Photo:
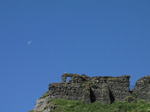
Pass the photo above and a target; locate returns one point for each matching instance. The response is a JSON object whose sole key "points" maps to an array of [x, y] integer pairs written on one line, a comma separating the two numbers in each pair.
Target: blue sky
{"points": [[40, 40]]}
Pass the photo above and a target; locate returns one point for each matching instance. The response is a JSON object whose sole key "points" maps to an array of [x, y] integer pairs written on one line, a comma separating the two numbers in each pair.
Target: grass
{"points": [[79, 106]]}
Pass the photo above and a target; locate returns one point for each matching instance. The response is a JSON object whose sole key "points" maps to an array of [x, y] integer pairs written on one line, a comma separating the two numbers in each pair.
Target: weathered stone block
{"points": [[142, 88]]}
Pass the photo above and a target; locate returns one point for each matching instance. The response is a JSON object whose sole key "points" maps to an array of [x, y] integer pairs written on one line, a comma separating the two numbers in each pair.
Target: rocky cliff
{"points": [[104, 89]]}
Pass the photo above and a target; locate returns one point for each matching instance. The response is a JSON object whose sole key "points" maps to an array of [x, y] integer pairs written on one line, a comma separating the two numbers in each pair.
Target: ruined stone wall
{"points": [[69, 91], [142, 88], [102, 89], [118, 87], [90, 89]]}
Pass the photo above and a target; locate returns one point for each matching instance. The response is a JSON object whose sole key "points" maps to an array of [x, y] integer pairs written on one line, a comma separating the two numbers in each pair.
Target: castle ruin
{"points": [[104, 89]]}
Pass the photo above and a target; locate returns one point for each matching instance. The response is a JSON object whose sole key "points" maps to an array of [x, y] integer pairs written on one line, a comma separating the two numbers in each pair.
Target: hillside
{"points": [[95, 94], [61, 105]]}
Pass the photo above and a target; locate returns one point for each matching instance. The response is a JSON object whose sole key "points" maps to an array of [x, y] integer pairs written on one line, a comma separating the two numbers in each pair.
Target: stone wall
{"points": [[91, 89], [118, 87], [141, 89], [69, 91]]}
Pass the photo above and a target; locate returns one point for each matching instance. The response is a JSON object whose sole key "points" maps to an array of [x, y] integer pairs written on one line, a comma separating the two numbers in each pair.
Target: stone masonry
{"points": [[90, 89], [142, 88], [104, 89]]}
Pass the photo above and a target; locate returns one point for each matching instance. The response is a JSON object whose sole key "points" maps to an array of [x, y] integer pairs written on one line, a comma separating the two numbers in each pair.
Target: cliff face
{"points": [[92, 89]]}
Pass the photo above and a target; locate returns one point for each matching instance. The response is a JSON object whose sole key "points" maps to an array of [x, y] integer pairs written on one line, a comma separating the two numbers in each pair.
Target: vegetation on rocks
{"points": [[79, 106], [45, 95]]}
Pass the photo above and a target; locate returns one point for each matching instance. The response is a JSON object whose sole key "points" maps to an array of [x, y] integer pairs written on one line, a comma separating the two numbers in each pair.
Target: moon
{"points": [[29, 42]]}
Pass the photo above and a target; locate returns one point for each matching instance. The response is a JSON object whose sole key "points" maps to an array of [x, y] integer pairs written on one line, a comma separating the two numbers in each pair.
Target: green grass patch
{"points": [[79, 106]]}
